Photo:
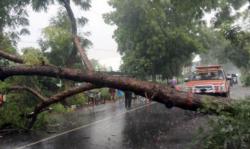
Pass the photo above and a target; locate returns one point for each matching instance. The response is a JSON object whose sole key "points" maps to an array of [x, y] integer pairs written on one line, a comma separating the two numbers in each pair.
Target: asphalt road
{"points": [[111, 126]]}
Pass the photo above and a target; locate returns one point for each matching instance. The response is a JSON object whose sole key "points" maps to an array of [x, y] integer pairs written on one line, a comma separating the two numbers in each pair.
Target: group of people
{"points": [[95, 97]]}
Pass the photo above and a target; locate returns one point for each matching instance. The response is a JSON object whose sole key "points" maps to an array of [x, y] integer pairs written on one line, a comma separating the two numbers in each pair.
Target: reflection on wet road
{"points": [[144, 126]]}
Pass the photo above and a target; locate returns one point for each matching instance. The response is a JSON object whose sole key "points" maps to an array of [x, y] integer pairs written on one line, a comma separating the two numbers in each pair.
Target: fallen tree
{"points": [[155, 91]]}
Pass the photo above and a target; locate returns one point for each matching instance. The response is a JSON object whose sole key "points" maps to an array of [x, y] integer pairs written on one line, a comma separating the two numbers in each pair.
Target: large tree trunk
{"points": [[11, 57], [157, 92]]}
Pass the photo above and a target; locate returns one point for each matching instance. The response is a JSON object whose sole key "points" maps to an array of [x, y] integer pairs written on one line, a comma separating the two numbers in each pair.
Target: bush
{"points": [[230, 131], [45, 119], [42, 121], [78, 100], [12, 114], [105, 94], [58, 108]]}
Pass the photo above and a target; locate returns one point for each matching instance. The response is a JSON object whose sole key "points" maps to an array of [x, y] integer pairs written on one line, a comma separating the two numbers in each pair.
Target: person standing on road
{"points": [[128, 99]]}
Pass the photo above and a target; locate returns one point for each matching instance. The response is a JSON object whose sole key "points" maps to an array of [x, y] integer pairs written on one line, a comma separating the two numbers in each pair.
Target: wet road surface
{"points": [[111, 126], [143, 126]]}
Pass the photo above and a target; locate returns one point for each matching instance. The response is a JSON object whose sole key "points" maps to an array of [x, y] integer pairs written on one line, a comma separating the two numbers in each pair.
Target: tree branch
{"points": [[57, 98], [11, 57], [28, 89]]}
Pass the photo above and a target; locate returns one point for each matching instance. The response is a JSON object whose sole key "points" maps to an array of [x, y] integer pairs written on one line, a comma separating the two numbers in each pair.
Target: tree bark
{"points": [[11, 57], [76, 39], [28, 89], [157, 92]]}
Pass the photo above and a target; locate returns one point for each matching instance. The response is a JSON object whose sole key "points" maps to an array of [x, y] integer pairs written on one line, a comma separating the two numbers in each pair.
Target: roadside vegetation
{"points": [[14, 112], [246, 80], [228, 130]]}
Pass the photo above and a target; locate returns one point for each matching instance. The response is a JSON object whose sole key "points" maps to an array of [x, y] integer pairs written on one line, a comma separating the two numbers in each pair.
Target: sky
{"points": [[104, 47]]}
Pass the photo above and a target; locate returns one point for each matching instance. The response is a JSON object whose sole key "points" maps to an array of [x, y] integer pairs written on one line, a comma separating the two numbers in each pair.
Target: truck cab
{"points": [[210, 80]]}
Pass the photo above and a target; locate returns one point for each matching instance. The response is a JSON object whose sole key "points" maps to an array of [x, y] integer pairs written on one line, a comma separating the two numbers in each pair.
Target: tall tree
{"points": [[155, 37], [239, 50], [57, 39], [83, 4], [160, 36]]}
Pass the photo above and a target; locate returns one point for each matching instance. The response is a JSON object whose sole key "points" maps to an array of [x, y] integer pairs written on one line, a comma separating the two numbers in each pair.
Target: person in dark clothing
{"points": [[128, 99]]}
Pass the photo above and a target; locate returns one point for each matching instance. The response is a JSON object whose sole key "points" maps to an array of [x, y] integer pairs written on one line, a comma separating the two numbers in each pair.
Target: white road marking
{"points": [[83, 126]]}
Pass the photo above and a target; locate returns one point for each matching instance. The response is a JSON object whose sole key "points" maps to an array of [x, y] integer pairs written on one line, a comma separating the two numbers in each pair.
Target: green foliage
{"points": [[13, 112], [215, 43], [43, 5], [78, 100], [155, 37], [230, 130], [33, 56], [42, 121], [58, 108], [6, 46], [239, 50], [13, 15], [105, 94], [57, 38], [246, 80], [159, 37], [57, 47], [4, 87], [39, 5], [210, 104]]}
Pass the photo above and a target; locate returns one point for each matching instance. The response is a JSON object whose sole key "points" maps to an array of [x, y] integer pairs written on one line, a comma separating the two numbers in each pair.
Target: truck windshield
{"points": [[214, 75]]}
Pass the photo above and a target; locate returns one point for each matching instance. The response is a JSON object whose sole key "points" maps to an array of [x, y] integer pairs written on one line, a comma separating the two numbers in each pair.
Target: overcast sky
{"points": [[104, 48]]}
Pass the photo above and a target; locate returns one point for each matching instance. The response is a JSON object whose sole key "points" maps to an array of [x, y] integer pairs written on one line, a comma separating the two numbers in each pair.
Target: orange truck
{"points": [[210, 80]]}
